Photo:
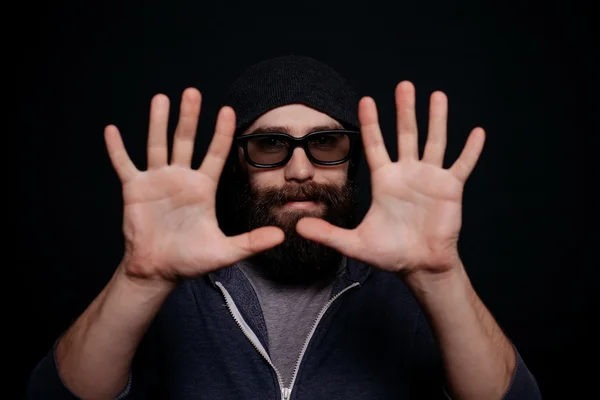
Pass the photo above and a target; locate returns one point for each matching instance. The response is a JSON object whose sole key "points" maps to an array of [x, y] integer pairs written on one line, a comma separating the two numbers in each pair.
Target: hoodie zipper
{"points": [[237, 316], [286, 392], [311, 333]]}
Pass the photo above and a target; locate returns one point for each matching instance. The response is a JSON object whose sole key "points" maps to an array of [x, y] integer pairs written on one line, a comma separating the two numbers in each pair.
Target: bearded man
{"points": [[300, 300]]}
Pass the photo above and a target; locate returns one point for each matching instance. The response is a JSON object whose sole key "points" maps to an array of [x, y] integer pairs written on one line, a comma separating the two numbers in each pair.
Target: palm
{"points": [[171, 210], [170, 223], [415, 215]]}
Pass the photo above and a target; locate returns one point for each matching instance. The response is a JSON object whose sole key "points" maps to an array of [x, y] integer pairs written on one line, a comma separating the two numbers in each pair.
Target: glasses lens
{"points": [[329, 147], [267, 150]]}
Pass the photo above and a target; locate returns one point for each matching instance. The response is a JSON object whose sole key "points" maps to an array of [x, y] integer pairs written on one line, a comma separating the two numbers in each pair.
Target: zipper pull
{"points": [[286, 393]]}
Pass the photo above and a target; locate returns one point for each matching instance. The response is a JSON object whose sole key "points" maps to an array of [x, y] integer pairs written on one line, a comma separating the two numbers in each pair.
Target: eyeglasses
{"points": [[270, 150]]}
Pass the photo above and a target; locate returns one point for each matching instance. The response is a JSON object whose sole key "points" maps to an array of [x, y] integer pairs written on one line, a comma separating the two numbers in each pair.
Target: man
{"points": [[302, 303]]}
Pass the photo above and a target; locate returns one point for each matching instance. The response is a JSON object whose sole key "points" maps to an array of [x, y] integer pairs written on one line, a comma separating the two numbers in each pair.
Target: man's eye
{"points": [[271, 142], [324, 140]]}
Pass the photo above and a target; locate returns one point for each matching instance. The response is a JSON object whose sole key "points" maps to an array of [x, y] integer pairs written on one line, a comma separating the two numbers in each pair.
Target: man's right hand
{"points": [[169, 221], [171, 233]]}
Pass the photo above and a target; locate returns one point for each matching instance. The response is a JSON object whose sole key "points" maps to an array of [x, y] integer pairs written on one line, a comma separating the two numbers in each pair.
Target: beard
{"points": [[296, 260]]}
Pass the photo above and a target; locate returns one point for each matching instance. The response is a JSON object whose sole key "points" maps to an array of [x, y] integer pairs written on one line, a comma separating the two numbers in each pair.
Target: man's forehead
{"points": [[293, 130], [294, 119]]}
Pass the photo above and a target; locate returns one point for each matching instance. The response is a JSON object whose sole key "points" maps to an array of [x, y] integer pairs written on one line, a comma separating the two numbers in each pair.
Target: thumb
{"points": [[345, 241], [253, 242]]}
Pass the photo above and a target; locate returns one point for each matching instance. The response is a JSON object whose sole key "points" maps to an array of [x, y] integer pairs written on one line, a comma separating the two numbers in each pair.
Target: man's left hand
{"points": [[414, 220]]}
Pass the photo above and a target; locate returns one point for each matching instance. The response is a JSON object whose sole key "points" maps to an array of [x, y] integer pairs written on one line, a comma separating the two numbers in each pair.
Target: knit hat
{"points": [[294, 79]]}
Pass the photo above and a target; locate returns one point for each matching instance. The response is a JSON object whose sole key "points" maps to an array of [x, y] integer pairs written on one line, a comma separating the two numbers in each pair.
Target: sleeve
{"points": [[429, 382], [46, 383], [523, 385]]}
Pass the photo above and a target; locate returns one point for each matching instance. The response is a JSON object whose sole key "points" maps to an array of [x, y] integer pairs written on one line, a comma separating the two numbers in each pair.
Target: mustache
{"points": [[329, 194]]}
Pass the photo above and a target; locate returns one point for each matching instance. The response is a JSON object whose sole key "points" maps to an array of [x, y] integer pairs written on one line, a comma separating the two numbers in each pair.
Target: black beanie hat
{"points": [[294, 79]]}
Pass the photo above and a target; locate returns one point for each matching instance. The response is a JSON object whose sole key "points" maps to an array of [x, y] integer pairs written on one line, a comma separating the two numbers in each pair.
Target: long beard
{"points": [[297, 260]]}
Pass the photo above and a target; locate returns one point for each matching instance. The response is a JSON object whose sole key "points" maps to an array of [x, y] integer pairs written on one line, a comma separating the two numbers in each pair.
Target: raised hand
{"points": [[415, 216], [170, 225]]}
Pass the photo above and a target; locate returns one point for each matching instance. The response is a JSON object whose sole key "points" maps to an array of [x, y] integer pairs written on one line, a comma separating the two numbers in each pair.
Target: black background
{"points": [[519, 72]]}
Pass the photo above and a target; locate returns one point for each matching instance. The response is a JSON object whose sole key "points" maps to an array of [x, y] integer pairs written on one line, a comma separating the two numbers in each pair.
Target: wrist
{"points": [[129, 298], [127, 304], [449, 284], [128, 276]]}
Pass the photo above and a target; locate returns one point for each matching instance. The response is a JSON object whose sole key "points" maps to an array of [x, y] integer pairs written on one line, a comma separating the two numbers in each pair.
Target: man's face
{"points": [[281, 196]]}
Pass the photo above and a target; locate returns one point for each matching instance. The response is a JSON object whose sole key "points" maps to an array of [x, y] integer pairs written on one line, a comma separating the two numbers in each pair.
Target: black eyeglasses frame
{"points": [[294, 142]]}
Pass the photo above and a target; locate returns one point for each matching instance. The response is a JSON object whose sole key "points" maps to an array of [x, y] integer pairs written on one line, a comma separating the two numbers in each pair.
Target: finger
{"points": [[253, 242], [374, 146], [318, 230], [157, 150], [219, 147], [465, 163], [119, 158], [435, 147], [185, 133], [406, 121]]}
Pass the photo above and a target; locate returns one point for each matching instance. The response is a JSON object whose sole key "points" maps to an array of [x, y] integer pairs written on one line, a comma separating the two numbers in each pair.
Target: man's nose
{"points": [[299, 168]]}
